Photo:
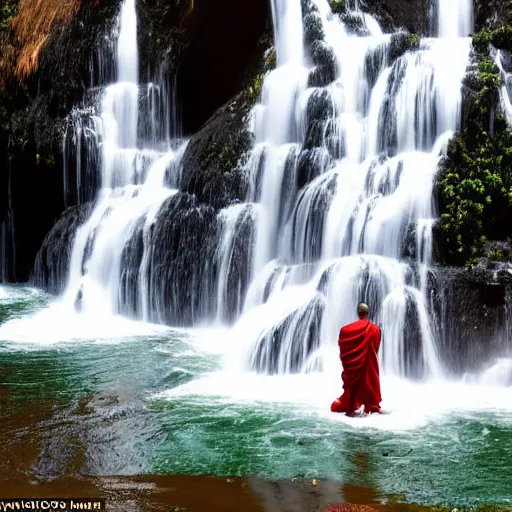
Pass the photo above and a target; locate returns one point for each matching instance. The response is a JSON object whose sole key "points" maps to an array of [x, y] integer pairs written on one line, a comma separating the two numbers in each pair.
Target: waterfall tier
{"points": [[339, 207]]}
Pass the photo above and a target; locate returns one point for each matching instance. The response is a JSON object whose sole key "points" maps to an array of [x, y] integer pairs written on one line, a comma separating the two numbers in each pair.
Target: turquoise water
{"points": [[157, 403]]}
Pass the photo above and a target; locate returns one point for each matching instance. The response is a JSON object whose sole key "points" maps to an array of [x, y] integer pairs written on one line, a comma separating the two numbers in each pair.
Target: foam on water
{"points": [[59, 323], [409, 405]]}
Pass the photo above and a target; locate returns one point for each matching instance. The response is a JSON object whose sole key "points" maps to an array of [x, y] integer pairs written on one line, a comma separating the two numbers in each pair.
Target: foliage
{"points": [[266, 62], [8, 10], [32, 27], [475, 179], [414, 41], [338, 6], [402, 42], [475, 183], [500, 38], [254, 90]]}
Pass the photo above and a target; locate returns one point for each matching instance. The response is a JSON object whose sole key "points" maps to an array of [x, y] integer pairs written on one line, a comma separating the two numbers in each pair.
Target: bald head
{"points": [[362, 310]]}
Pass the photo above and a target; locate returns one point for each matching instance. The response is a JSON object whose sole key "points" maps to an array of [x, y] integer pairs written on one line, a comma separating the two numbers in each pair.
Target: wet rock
{"points": [[302, 326], [214, 159], [413, 15], [52, 261], [491, 13], [402, 42], [313, 29], [470, 306], [325, 71], [355, 24], [184, 242], [31, 162]]}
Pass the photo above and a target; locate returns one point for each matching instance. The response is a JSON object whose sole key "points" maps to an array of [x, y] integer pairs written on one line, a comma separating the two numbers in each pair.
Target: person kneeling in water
{"points": [[359, 344]]}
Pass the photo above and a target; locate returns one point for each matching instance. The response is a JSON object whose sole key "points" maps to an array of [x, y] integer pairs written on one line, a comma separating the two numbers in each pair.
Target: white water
{"points": [[133, 188], [355, 253], [506, 87], [374, 194], [454, 18]]}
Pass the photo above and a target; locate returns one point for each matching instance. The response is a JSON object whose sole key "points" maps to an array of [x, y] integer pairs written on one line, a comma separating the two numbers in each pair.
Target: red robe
{"points": [[359, 344]]}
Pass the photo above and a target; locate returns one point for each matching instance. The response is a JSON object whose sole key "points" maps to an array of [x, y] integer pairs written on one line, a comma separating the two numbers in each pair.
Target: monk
{"points": [[359, 344]]}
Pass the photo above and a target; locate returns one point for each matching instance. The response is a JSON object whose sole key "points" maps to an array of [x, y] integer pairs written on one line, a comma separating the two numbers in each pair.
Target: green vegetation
{"points": [[225, 153], [8, 10], [475, 179], [338, 6], [264, 63], [414, 41], [254, 90], [500, 38], [475, 182], [402, 42]]}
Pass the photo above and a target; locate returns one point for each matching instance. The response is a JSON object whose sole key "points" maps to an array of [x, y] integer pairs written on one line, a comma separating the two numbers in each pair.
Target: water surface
{"points": [[161, 402]]}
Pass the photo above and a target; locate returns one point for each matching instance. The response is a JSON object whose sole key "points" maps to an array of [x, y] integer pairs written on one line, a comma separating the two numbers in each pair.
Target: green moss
{"points": [[225, 154], [265, 61], [338, 6], [414, 41], [402, 42], [497, 255], [8, 10], [254, 90]]}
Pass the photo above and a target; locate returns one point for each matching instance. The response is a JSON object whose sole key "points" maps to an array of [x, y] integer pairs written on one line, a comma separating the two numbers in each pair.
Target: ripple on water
{"points": [[162, 402]]}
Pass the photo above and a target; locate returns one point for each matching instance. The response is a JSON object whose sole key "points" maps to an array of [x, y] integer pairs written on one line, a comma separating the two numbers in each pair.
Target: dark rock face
{"points": [[51, 268], [214, 157], [491, 13], [471, 308], [169, 270], [223, 42], [413, 15], [32, 163], [215, 44], [178, 278]]}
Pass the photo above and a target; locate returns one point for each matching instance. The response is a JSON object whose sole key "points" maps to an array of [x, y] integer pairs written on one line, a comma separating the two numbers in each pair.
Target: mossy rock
{"points": [[338, 6], [402, 42], [474, 184], [500, 38], [215, 156]]}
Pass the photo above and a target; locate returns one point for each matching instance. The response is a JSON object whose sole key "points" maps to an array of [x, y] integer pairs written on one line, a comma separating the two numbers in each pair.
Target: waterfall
{"points": [[454, 18], [133, 174], [339, 206], [348, 142], [506, 86]]}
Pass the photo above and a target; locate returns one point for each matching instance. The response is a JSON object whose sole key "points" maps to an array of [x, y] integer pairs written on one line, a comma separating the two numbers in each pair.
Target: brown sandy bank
{"points": [[157, 493]]}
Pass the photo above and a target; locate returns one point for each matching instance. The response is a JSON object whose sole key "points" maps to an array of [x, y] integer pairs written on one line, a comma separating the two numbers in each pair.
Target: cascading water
{"points": [[348, 137], [344, 199], [454, 18], [506, 87], [132, 182]]}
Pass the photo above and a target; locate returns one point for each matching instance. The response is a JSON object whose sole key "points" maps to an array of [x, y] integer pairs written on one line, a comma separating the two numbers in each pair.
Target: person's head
{"points": [[362, 311]]}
